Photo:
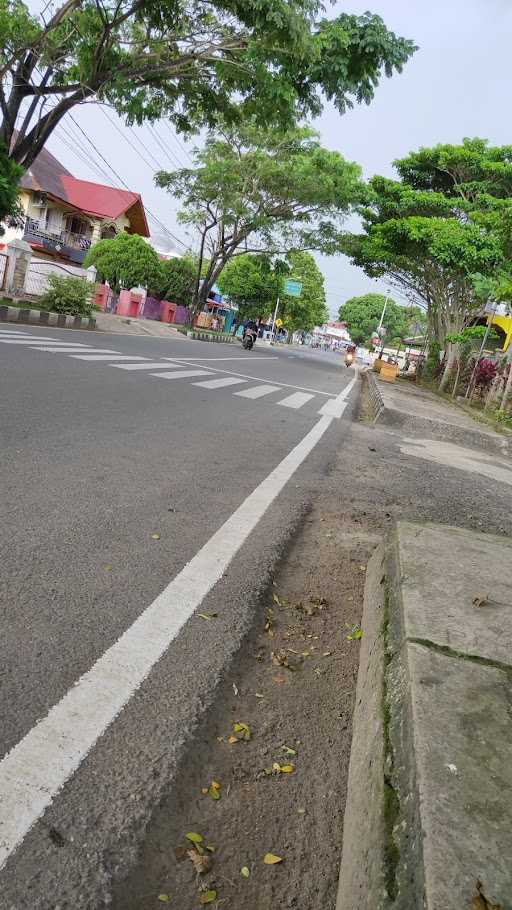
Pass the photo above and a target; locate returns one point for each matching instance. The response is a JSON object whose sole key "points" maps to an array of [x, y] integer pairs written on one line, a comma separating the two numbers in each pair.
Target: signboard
{"points": [[279, 323], [293, 288], [491, 307]]}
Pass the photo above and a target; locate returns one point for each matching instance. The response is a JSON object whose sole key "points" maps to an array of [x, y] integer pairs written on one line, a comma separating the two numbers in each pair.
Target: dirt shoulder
{"points": [[293, 685]]}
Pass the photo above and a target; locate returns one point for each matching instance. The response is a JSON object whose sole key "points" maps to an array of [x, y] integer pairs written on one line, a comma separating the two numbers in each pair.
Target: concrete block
{"points": [[430, 785], [443, 570], [4, 313], [23, 315], [461, 717]]}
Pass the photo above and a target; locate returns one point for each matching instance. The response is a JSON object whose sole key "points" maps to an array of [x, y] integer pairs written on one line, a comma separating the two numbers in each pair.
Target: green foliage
{"points": [[432, 362], [72, 296], [126, 261], [253, 283], [178, 277], [362, 315], [264, 191], [10, 176], [447, 219], [470, 334], [192, 62], [308, 310]]}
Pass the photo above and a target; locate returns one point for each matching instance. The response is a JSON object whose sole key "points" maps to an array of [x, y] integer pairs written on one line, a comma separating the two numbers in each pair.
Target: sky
{"points": [[457, 84]]}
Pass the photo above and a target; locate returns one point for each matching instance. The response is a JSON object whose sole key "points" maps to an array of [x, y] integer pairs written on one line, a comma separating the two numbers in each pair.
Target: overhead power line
{"points": [[177, 141], [170, 155]]}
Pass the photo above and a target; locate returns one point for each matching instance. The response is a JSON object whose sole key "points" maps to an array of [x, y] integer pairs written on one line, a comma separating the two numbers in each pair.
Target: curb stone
{"points": [[27, 316], [430, 778], [207, 336]]}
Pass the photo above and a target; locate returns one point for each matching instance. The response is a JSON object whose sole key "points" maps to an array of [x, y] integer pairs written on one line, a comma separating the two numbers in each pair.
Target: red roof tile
{"points": [[47, 175]]}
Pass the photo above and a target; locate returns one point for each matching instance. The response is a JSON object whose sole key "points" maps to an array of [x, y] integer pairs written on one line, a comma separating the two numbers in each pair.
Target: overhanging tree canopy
{"points": [[362, 315], [263, 191], [188, 60]]}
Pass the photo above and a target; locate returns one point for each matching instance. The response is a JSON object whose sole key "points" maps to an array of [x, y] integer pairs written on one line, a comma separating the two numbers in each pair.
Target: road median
{"points": [[430, 781]]}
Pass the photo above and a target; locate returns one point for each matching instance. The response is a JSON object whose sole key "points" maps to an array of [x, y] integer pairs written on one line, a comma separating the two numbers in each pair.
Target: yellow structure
{"points": [[505, 324]]}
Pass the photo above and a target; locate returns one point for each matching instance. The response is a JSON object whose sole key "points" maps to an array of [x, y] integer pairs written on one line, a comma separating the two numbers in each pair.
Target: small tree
{"points": [[178, 279], [308, 310], [253, 283], [126, 261], [72, 296]]}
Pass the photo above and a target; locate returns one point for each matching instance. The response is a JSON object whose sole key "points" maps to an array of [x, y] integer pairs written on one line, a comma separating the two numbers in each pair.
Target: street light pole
{"points": [[383, 313]]}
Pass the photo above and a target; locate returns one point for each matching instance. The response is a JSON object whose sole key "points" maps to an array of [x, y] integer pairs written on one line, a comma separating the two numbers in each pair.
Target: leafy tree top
{"points": [[362, 315], [191, 61], [10, 175], [126, 261]]}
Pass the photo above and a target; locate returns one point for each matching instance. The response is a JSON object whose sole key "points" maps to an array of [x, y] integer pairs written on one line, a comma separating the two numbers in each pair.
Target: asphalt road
{"points": [[115, 483]]}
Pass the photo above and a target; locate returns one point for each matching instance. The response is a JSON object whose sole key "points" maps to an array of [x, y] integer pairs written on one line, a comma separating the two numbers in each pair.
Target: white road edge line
{"points": [[37, 768], [335, 406]]}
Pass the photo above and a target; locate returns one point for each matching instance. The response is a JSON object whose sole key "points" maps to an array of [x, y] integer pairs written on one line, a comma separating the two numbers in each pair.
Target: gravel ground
{"points": [[306, 707]]}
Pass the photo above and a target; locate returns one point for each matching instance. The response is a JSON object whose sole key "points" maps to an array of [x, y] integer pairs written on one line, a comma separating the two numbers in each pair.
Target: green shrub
{"points": [[72, 296]]}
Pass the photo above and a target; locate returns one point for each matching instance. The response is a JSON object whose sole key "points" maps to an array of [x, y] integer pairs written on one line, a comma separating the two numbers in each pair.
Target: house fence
{"points": [[3, 268], [36, 281]]}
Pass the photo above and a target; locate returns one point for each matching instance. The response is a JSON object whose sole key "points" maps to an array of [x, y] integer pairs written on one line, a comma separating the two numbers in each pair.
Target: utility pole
{"points": [[274, 317]]}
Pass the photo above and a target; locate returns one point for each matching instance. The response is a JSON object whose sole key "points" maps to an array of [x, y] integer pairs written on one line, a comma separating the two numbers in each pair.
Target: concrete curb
{"points": [[375, 399], [207, 336], [27, 316], [432, 428], [430, 778]]}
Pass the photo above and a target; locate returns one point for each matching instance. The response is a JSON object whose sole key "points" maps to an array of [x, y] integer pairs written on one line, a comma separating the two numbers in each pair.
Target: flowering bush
{"points": [[485, 372]]}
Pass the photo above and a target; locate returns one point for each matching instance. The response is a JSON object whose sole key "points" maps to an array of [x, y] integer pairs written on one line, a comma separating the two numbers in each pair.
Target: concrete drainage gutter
{"points": [[26, 316], [427, 822]]}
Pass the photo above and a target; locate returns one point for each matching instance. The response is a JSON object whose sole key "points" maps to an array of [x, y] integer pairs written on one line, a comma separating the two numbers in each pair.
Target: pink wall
{"points": [[128, 304]]}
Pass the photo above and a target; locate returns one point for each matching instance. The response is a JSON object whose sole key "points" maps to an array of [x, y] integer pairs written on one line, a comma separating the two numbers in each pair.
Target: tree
{"points": [[126, 261], [362, 315], [188, 60], [10, 175], [263, 191], [253, 283], [432, 230], [304, 312], [178, 277]]}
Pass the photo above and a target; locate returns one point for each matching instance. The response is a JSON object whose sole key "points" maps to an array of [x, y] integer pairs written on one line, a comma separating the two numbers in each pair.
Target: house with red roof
{"points": [[64, 216]]}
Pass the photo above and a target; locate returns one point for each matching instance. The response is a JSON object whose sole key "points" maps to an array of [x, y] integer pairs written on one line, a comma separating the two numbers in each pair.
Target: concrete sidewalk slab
{"points": [[430, 785], [417, 411]]}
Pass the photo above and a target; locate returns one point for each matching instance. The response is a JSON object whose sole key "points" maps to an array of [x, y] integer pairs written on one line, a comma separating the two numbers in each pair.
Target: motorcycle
{"points": [[349, 359], [249, 339]]}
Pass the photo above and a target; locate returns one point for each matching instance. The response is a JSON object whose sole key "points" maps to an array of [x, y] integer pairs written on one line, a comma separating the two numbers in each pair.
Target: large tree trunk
{"points": [[452, 354]]}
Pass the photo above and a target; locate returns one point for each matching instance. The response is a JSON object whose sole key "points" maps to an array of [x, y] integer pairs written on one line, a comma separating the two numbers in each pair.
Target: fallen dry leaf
{"points": [[208, 615], [259, 695], [210, 848], [279, 680], [164, 898], [481, 902], [232, 740], [280, 659], [243, 729], [244, 872], [275, 598], [155, 537], [201, 864], [270, 859], [208, 897], [235, 688]]}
